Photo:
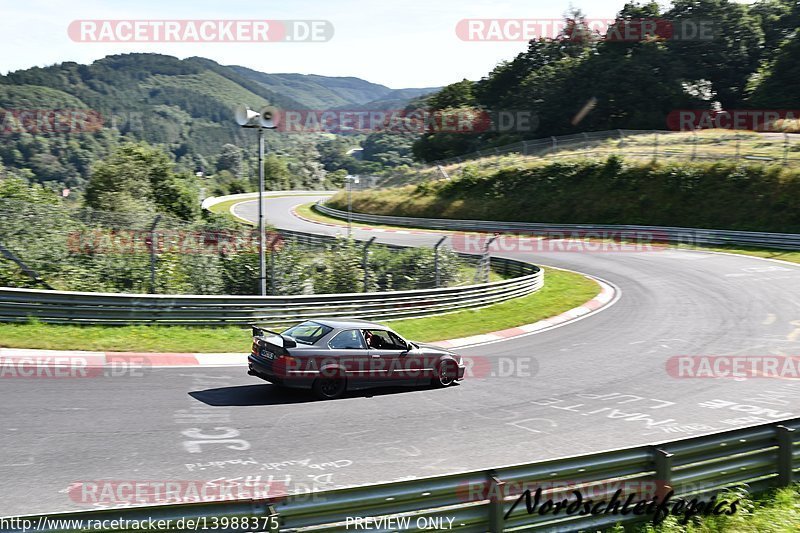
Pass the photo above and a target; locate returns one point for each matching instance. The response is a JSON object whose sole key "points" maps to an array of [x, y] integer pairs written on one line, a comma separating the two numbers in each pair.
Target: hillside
{"points": [[325, 92], [184, 105]]}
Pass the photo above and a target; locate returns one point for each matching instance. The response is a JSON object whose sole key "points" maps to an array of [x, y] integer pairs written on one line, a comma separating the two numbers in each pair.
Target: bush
{"points": [[719, 195]]}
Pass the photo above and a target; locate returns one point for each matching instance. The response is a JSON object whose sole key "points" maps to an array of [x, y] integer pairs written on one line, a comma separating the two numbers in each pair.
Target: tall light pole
{"points": [[350, 180], [247, 118]]}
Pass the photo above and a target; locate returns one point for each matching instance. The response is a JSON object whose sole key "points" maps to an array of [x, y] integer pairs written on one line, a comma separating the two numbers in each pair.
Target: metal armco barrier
{"points": [[688, 236], [63, 307], [762, 456]]}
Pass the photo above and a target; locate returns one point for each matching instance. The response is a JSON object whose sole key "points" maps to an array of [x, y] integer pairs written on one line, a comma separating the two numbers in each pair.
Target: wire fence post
{"points": [[655, 146], [153, 244], [555, 145], [694, 144], [436, 275], [621, 138], [273, 289], [365, 263], [785, 148], [5, 252], [483, 268], [738, 147]]}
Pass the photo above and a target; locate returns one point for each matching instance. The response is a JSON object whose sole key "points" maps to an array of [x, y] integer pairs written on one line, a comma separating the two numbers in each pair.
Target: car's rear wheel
{"points": [[446, 374], [329, 387]]}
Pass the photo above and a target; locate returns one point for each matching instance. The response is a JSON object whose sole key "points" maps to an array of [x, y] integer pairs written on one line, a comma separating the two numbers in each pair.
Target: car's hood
{"points": [[430, 348]]}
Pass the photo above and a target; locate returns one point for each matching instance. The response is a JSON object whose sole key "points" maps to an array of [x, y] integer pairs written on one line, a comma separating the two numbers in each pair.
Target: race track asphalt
{"points": [[591, 385]]}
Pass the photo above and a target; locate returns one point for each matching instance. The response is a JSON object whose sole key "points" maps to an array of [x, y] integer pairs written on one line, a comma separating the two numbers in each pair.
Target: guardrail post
{"points": [[436, 276], [266, 516], [496, 488], [365, 264], [663, 461], [555, 144], [785, 457], [153, 244]]}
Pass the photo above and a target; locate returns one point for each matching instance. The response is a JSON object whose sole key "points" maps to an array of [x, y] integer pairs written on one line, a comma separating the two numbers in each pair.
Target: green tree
{"points": [[140, 177], [276, 173]]}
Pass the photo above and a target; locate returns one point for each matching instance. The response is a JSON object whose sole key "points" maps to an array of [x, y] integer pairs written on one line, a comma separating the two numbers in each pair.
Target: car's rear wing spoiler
{"points": [[287, 341]]}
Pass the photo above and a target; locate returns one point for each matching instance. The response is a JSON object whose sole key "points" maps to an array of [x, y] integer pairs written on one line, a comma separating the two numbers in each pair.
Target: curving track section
{"points": [[594, 384]]}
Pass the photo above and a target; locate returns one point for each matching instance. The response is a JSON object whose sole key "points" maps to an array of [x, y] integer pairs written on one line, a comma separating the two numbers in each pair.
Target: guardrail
{"points": [[689, 236], [763, 457], [65, 307]]}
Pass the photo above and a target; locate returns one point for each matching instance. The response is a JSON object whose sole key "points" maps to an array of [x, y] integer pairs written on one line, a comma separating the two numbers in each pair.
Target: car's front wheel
{"points": [[446, 373], [329, 387]]}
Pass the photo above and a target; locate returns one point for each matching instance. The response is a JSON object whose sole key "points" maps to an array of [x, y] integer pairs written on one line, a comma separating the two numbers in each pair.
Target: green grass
{"points": [[224, 208], [706, 144], [562, 291], [125, 338], [774, 512]]}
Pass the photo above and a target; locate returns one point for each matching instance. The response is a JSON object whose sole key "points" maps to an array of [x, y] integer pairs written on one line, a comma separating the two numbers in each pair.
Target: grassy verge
{"points": [[562, 291], [224, 208], [777, 511]]}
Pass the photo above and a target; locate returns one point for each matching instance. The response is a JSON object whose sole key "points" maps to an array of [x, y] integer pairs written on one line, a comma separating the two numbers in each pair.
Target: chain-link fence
{"points": [[67, 248], [651, 145]]}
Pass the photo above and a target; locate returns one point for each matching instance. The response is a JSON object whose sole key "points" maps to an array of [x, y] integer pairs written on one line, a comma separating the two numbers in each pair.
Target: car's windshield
{"points": [[308, 332]]}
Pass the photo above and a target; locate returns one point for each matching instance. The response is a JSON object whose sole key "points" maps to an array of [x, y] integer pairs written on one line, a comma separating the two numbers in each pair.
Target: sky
{"points": [[398, 43]]}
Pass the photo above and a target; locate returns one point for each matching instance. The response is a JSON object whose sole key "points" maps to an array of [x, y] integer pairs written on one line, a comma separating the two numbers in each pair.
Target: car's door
{"points": [[349, 350], [389, 356]]}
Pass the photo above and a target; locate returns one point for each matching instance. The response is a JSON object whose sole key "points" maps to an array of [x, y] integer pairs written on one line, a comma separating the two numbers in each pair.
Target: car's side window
{"points": [[385, 340], [400, 343], [349, 339]]}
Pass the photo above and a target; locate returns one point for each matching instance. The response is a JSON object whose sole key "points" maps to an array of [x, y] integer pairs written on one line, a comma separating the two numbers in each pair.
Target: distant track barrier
{"points": [[689, 236]]}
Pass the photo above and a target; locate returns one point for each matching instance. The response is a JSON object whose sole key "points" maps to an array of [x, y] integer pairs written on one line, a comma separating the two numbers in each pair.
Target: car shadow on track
{"points": [[251, 395]]}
